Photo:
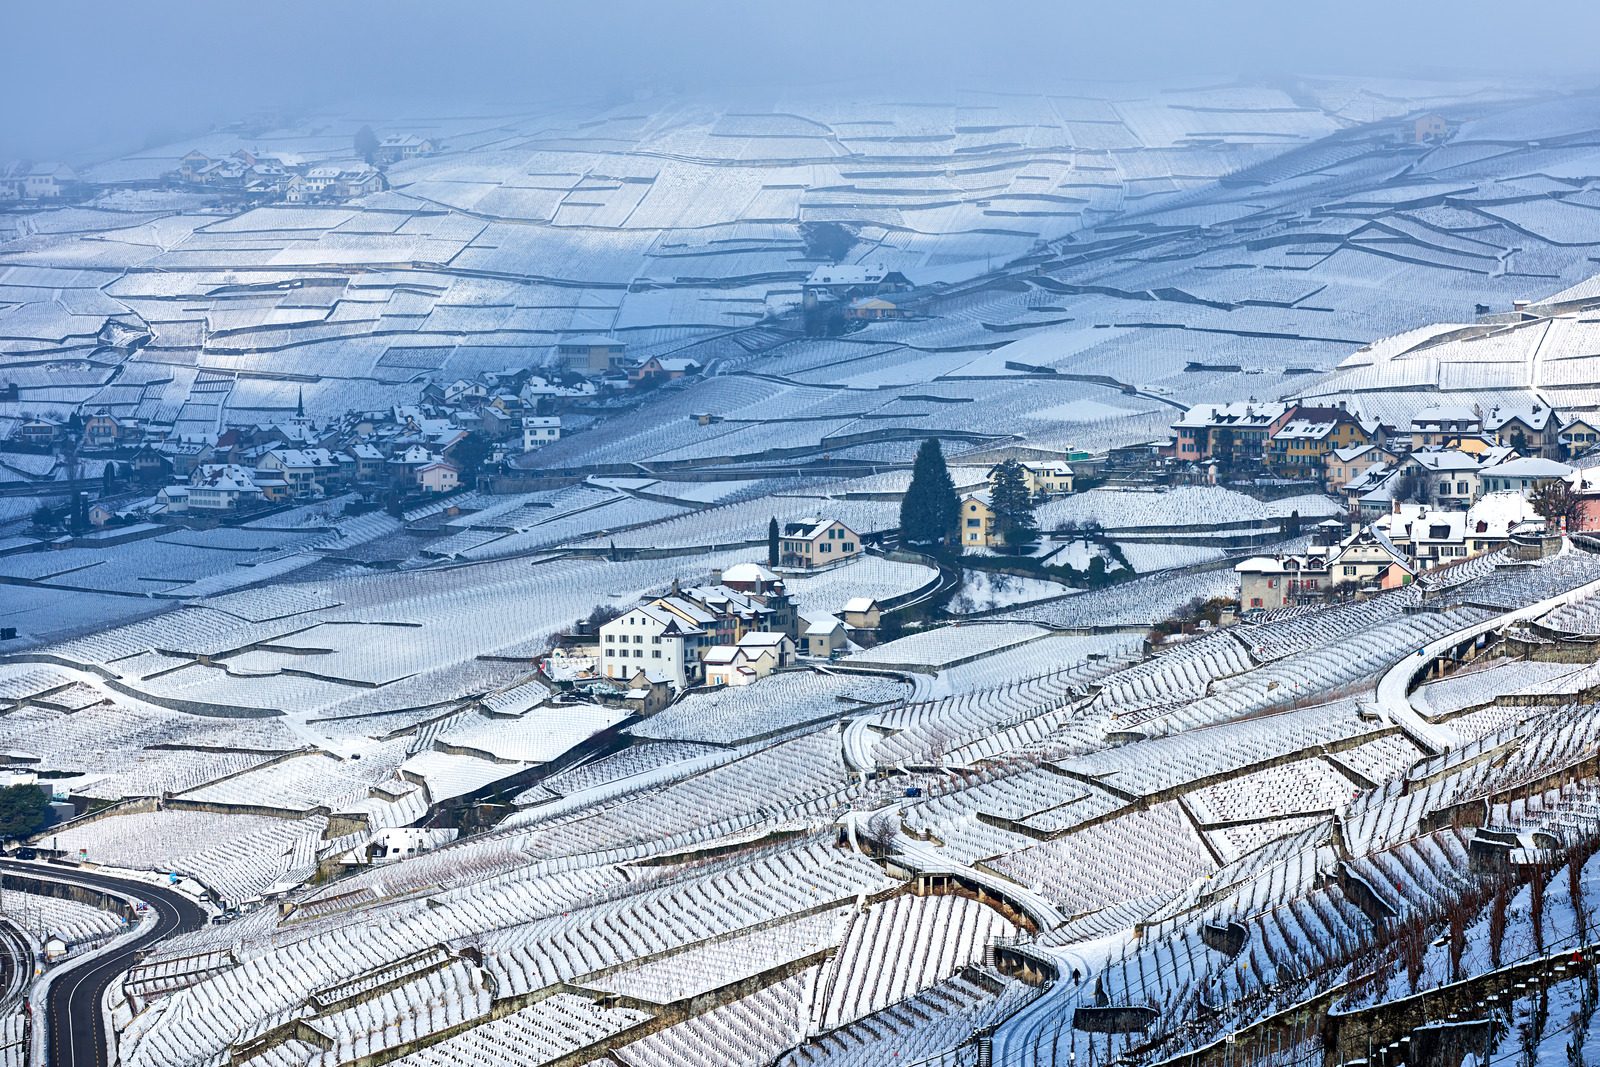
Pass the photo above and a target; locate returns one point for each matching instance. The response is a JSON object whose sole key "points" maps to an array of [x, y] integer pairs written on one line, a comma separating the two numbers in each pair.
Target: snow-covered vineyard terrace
{"points": [[475, 580]]}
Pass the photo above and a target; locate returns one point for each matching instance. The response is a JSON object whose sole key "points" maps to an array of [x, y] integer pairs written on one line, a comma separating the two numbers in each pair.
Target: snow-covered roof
{"points": [[748, 572], [1530, 467], [1442, 414], [849, 274], [821, 622], [1249, 413], [1536, 416]]}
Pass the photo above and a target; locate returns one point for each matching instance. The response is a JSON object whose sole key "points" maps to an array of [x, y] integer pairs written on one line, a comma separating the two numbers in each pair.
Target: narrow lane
{"points": [[74, 1025]]}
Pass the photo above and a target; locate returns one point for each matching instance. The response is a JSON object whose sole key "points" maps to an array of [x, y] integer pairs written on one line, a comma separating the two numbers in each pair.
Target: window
{"points": [[655, 640], [1349, 571], [973, 522], [655, 654], [849, 547]]}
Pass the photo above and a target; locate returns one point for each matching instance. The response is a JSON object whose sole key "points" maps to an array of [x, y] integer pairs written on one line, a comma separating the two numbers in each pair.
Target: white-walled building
{"points": [[648, 638], [540, 430]]}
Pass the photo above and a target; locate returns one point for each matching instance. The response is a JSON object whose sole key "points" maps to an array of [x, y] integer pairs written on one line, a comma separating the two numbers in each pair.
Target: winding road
{"points": [[75, 1027]]}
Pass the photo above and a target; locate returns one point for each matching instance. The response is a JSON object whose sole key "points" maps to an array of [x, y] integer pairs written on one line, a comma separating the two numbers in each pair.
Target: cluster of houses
{"points": [[290, 179], [736, 630], [836, 297], [1449, 455], [406, 448], [1388, 552], [280, 177], [1456, 482], [403, 450]]}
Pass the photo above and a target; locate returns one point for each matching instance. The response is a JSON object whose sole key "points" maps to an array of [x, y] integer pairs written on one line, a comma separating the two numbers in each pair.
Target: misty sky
{"points": [[82, 79]]}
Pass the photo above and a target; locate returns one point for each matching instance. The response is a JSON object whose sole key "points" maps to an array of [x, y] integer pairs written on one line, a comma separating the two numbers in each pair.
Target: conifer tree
{"points": [[1012, 502], [930, 512]]}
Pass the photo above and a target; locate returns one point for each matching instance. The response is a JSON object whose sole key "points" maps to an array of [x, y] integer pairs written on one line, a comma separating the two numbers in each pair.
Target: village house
{"points": [[727, 614], [874, 309], [1365, 558], [1577, 437], [1430, 128], [665, 369], [366, 461], [39, 430], [222, 487], [402, 467], [1447, 477], [1534, 430], [1053, 478], [1523, 475], [540, 430], [862, 613], [1444, 426], [1585, 484], [35, 181], [755, 656], [844, 282], [1432, 537], [1344, 465], [1298, 447], [822, 634], [105, 430], [1236, 433], [498, 424], [653, 640], [977, 521], [767, 589], [309, 472], [817, 542], [399, 146], [438, 477]]}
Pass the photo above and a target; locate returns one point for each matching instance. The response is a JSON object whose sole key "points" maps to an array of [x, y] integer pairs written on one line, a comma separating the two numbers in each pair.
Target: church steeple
{"points": [[300, 405]]}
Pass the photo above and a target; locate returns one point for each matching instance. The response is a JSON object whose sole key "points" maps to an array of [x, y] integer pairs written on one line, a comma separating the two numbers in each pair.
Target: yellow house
{"points": [[977, 521], [1298, 448], [1579, 436], [1344, 465]]}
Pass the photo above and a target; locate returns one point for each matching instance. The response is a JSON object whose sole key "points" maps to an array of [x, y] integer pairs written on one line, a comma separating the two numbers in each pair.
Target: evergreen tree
{"points": [[772, 542], [470, 454], [1012, 502], [366, 143], [24, 810], [930, 511]]}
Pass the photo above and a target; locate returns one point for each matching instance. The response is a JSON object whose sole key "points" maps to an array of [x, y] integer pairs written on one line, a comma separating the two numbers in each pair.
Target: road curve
{"points": [[75, 1027]]}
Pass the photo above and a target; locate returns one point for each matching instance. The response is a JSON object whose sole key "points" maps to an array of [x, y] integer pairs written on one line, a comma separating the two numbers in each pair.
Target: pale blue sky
{"points": [[82, 78]]}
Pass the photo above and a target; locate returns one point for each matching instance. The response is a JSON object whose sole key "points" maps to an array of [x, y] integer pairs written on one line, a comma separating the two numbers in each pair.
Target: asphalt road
{"points": [[75, 1025]]}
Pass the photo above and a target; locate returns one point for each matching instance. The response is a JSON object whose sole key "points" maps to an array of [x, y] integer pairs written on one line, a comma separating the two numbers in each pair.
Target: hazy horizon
{"points": [[97, 78]]}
